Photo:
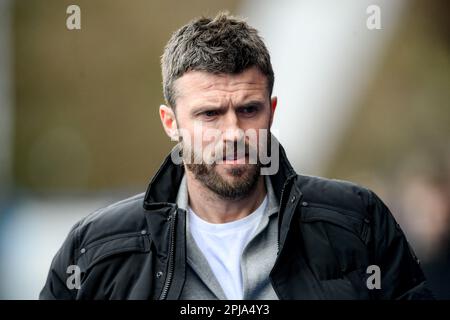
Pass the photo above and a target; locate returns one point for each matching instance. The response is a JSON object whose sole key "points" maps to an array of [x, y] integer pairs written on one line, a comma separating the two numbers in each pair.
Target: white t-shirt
{"points": [[222, 245]]}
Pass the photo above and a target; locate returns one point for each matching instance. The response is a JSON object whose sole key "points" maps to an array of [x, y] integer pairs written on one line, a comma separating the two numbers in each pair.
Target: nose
{"points": [[231, 129]]}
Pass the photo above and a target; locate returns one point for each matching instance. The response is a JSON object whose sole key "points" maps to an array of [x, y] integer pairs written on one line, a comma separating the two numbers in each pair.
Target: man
{"points": [[218, 222]]}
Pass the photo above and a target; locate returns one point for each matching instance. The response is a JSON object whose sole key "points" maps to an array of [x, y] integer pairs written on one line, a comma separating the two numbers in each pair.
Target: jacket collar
{"points": [[163, 188]]}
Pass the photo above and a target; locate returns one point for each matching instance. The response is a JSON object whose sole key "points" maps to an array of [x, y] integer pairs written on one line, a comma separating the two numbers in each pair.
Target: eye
{"points": [[249, 110], [210, 113]]}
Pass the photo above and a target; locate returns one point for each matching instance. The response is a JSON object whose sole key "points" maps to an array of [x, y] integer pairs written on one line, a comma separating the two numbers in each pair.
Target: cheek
{"points": [[260, 121], [212, 148], [259, 133], [190, 132]]}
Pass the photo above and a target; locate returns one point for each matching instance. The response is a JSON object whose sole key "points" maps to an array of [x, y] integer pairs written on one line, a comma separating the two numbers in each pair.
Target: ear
{"points": [[169, 121], [273, 106]]}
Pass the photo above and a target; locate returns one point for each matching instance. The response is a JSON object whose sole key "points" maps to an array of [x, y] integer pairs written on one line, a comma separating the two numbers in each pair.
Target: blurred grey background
{"points": [[79, 126]]}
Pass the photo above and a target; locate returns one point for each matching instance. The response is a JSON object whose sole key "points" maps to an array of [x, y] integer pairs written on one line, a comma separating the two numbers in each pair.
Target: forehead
{"points": [[202, 86]]}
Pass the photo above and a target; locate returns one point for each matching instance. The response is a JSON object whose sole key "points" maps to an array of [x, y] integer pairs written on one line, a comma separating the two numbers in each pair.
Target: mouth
{"points": [[235, 158]]}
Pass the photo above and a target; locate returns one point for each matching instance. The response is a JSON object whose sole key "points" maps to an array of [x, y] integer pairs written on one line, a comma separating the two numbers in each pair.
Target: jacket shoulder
{"points": [[102, 234], [339, 195], [118, 219]]}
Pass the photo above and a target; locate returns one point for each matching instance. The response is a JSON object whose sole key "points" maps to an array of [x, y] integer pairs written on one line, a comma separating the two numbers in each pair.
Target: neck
{"points": [[215, 209]]}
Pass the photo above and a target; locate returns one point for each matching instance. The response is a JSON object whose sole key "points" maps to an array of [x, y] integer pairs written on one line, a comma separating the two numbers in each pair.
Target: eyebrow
{"points": [[253, 103]]}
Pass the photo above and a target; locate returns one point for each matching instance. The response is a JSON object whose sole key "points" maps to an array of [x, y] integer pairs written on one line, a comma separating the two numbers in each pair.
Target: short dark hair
{"points": [[224, 44]]}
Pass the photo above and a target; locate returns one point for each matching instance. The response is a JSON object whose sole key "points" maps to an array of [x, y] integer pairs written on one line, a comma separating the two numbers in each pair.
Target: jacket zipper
{"points": [[281, 202], [169, 277]]}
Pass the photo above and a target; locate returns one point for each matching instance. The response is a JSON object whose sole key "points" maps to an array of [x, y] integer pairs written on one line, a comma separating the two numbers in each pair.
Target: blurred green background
{"points": [[87, 100]]}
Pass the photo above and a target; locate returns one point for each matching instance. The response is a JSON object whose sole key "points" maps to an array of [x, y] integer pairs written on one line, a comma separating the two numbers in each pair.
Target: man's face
{"points": [[213, 114]]}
